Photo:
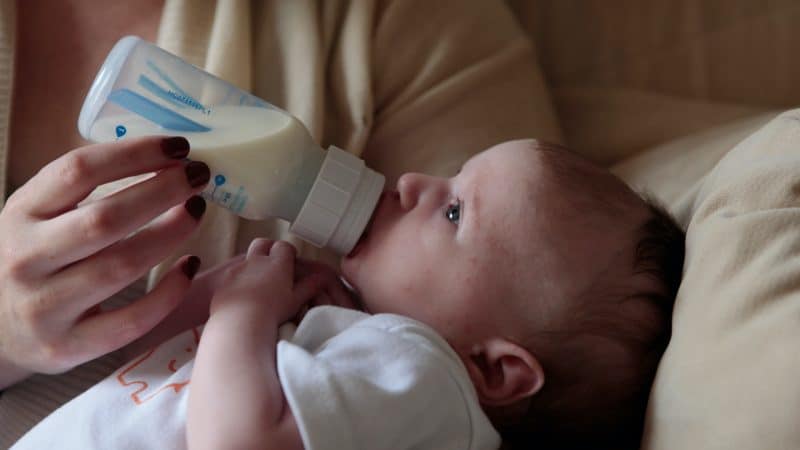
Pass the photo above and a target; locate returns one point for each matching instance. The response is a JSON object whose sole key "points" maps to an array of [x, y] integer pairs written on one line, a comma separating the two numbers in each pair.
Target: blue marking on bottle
{"points": [[179, 93], [120, 130], [177, 99], [154, 112], [158, 91], [239, 200], [219, 180]]}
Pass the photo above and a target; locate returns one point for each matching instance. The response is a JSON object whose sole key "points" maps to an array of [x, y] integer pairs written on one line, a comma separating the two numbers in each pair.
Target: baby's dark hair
{"points": [[600, 365]]}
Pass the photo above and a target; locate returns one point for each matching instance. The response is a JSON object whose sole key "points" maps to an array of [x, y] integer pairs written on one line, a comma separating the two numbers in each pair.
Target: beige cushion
{"points": [[735, 51], [730, 376], [627, 77], [673, 171]]}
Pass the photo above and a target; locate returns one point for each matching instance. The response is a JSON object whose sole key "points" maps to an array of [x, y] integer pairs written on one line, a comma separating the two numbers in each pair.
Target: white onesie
{"points": [[352, 380]]}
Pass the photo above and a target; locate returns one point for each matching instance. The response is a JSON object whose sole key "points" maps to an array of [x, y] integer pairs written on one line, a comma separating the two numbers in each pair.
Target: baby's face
{"points": [[447, 251]]}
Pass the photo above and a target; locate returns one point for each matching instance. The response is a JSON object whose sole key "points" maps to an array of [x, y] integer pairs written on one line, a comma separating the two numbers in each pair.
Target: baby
{"points": [[528, 297]]}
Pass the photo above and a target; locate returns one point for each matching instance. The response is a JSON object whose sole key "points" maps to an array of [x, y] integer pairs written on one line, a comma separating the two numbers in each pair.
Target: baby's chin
{"points": [[351, 276], [348, 268], [360, 305], [350, 261]]}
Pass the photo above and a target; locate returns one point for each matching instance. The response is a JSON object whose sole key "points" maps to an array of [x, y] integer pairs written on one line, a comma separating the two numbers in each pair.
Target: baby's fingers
{"points": [[280, 250], [259, 246], [279, 254], [284, 253], [107, 331], [306, 289]]}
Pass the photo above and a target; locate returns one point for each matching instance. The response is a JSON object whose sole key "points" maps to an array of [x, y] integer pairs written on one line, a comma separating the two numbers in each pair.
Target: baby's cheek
{"points": [[408, 287], [401, 273]]}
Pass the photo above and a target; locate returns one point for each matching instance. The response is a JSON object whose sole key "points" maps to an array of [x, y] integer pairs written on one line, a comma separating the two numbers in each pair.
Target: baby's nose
{"points": [[409, 186]]}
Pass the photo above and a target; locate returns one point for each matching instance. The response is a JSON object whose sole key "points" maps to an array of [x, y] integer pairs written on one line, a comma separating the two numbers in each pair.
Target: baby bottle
{"points": [[263, 161]]}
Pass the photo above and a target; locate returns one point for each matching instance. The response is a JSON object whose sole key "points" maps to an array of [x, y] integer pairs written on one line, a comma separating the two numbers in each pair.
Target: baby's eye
{"points": [[453, 212]]}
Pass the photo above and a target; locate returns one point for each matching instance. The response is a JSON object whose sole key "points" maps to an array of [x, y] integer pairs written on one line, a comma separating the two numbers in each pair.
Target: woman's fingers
{"points": [[88, 229], [99, 276], [191, 312], [107, 331], [210, 280], [64, 182]]}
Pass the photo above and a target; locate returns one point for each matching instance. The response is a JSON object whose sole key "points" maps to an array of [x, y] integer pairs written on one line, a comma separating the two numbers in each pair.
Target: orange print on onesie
{"points": [[147, 372]]}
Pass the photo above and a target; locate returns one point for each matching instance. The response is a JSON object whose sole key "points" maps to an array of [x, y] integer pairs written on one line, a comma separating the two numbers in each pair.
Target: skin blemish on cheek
{"points": [[407, 288]]}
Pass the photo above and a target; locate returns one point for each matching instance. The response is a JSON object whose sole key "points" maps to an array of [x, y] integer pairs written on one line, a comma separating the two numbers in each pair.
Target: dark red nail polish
{"points": [[196, 206], [175, 147], [190, 266], [197, 173]]}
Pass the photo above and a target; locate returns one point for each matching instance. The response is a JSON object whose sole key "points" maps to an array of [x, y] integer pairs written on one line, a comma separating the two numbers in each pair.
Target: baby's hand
{"points": [[263, 284], [332, 291]]}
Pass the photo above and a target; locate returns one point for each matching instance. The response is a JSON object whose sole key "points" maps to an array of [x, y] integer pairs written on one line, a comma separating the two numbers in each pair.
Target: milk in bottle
{"points": [[264, 163]]}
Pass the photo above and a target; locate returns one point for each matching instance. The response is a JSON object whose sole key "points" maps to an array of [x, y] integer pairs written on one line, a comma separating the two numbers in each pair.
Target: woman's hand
{"points": [[58, 260]]}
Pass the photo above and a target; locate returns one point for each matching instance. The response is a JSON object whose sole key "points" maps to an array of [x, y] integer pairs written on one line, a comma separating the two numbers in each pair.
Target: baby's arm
{"points": [[235, 398]]}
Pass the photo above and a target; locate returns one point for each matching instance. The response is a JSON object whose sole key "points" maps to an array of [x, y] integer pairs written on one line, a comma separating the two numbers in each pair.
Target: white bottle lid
{"points": [[340, 203]]}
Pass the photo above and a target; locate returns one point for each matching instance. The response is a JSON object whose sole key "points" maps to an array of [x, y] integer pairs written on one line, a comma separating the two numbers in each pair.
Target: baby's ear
{"points": [[503, 372]]}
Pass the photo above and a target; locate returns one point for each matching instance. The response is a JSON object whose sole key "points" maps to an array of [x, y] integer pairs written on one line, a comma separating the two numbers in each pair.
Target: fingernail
{"points": [[175, 147], [196, 206], [197, 173], [190, 266]]}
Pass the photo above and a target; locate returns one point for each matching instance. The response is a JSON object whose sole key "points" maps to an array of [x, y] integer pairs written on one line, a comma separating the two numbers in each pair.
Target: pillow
{"points": [[730, 376], [673, 171]]}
